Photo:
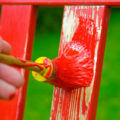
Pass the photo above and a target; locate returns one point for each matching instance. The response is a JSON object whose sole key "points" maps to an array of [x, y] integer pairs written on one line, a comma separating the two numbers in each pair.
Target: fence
{"points": [[82, 19]]}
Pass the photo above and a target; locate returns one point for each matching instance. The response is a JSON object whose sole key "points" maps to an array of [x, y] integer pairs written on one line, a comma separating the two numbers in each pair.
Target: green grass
{"points": [[39, 95], [109, 98]]}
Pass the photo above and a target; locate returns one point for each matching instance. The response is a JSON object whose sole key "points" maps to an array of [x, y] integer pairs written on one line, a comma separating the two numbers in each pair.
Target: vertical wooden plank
{"points": [[17, 27], [87, 25]]}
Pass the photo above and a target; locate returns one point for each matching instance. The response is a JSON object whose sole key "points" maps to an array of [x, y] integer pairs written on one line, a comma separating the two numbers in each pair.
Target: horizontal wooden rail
{"points": [[63, 2]]}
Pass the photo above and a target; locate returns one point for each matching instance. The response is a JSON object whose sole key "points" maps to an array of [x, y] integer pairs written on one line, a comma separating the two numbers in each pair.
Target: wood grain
{"points": [[63, 2], [17, 28], [87, 25]]}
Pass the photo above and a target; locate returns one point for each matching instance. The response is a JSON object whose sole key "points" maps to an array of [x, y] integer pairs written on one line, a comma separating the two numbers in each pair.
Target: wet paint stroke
{"points": [[86, 25]]}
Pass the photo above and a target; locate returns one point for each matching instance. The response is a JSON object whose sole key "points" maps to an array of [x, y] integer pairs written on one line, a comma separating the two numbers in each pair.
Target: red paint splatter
{"points": [[11, 96]]}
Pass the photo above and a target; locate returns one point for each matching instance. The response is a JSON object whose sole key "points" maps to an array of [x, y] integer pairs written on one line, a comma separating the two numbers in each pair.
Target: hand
{"points": [[10, 79]]}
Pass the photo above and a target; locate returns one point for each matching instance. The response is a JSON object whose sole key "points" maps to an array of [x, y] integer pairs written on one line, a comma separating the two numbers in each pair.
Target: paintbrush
{"points": [[72, 69]]}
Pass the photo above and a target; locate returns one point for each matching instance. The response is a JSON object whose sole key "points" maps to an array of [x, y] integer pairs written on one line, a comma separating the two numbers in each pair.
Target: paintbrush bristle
{"points": [[73, 68]]}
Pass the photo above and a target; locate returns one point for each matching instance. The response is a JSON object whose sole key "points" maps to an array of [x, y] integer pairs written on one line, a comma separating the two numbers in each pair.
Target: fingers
{"points": [[11, 75], [4, 47], [7, 91], [10, 79]]}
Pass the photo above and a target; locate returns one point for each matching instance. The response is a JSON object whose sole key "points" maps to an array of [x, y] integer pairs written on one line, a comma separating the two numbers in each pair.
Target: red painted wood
{"points": [[63, 2], [17, 27], [87, 25]]}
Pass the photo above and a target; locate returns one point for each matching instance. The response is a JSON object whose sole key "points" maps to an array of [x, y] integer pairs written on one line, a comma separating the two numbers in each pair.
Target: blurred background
{"points": [[47, 37]]}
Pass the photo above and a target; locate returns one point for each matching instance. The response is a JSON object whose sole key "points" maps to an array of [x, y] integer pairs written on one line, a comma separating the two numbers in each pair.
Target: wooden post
{"points": [[88, 25], [17, 27]]}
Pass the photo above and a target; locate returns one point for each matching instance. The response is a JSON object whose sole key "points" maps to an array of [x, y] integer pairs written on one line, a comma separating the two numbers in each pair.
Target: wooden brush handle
{"points": [[12, 61]]}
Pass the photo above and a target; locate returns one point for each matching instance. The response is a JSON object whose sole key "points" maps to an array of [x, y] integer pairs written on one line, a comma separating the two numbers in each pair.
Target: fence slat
{"points": [[87, 25], [63, 2], [17, 27]]}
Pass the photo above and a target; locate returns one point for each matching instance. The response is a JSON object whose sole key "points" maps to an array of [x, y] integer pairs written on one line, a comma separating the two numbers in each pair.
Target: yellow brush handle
{"points": [[10, 60], [48, 69], [41, 69]]}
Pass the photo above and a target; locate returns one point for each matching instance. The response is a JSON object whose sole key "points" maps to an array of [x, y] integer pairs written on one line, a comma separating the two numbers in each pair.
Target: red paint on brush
{"points": [[74, 68], [32, 64], [47, 64]]}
